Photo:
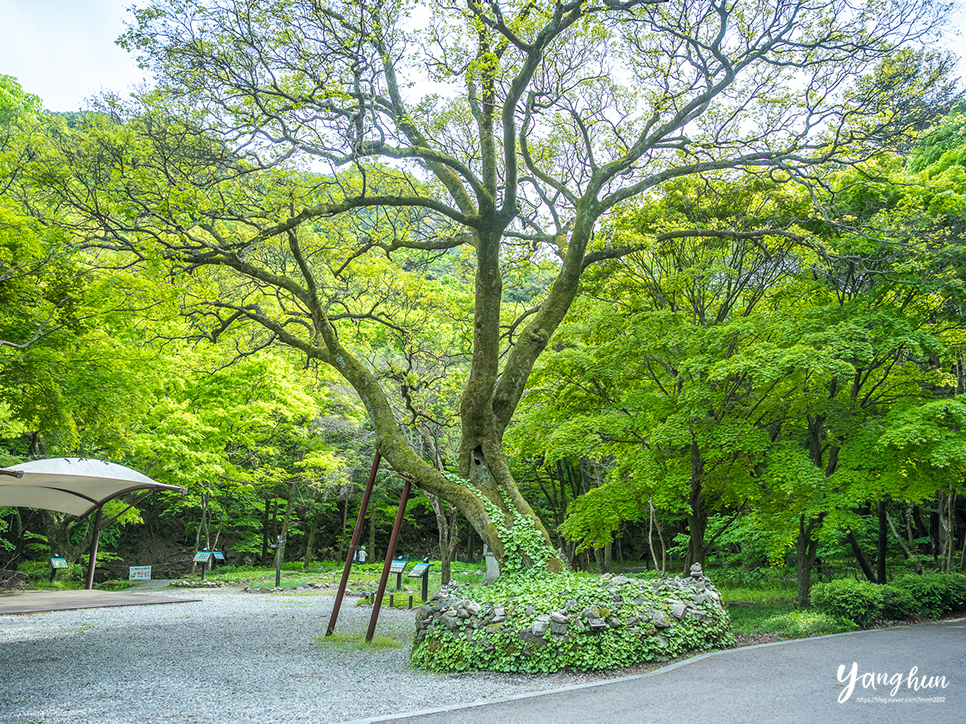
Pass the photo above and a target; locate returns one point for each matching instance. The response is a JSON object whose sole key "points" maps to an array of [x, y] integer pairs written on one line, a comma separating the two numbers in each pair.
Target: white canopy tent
{"points": [[77, 486]]}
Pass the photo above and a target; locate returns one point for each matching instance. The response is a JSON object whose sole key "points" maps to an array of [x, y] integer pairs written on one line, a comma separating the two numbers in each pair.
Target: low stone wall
{"points": [[571, 621]]}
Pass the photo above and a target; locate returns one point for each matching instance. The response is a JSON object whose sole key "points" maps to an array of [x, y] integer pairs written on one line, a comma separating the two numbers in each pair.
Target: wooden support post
{"points": [[352, 545], [385, 567]]}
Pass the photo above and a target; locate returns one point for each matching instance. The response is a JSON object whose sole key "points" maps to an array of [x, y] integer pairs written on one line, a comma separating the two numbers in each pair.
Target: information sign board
{"points": [[219, 556], [419, 569], [58, 563], [398, 566], [139, 573], [202, 556]]}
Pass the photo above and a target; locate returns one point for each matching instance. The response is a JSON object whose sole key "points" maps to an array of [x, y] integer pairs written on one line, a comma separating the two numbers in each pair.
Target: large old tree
{"points": [[291, 147]]}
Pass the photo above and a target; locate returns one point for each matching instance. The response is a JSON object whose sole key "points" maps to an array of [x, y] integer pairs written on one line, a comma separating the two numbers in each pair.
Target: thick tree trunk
{"points": [[860, 557], [489, 397], [806, 549], [599, 559], [310, 541], [59, 529]]}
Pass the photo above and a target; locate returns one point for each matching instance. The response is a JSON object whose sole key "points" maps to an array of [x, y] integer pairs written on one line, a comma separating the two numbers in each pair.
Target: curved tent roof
{"points": [[70, 485]]}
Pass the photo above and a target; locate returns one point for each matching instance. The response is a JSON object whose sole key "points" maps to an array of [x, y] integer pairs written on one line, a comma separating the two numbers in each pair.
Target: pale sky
{"points": [[64, 51]]}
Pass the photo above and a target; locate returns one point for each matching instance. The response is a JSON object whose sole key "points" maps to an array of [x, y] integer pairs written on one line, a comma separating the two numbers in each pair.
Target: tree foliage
{"points": [[542, 121]]}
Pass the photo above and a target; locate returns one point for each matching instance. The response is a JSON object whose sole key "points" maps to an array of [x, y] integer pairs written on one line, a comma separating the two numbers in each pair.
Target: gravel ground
{"points": [[231, 657]]}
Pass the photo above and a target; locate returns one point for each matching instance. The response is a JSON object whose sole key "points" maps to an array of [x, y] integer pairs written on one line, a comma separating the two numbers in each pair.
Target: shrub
{"points": [[955, 592], [935, 593], [38, 572], [857, 601], [897, 603], [928, 592]]}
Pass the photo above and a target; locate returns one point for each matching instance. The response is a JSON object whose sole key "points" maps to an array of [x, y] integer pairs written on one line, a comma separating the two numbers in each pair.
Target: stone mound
{"points": [[594, 624]]}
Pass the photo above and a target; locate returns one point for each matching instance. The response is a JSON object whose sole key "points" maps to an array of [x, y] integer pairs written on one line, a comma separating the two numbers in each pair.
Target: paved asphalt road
{"points": [[795, 681]]}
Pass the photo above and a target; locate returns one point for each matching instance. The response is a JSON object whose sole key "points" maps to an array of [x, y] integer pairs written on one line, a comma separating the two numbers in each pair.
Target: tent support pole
{"points": [[96, 536], [356, 534]]}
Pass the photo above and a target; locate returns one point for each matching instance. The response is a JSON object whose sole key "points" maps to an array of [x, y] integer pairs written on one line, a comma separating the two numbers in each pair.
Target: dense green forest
{"points": [[711, 321]]}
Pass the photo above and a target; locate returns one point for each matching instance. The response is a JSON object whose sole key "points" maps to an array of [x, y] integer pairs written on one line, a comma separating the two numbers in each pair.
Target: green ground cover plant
{"points": [[543, 623]]}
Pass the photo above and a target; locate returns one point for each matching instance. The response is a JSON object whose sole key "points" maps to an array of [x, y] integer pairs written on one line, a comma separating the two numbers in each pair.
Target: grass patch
{"points": [[400, 599], [802, 624], [770, 612], [358, 642], [362, 578], [784, 621], [758, 594], [750, 620]]}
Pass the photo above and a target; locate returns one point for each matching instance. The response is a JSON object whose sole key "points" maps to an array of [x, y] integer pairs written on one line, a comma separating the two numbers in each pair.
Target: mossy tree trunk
{"points": [[59, 528]]}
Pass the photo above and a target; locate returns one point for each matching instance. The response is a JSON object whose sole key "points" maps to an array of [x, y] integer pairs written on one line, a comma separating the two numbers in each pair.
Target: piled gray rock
{"points": [[656, 618], [198, 584]]}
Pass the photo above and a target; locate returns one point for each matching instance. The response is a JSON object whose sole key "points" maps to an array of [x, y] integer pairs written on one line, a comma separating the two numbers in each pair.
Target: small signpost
{"points": [[279, 546], [597, 625], [55, 565], [139, 573], [398, 567], [421, 570], [203, 557]]}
